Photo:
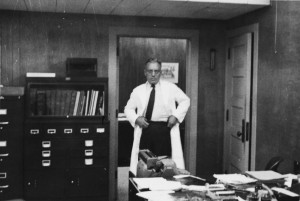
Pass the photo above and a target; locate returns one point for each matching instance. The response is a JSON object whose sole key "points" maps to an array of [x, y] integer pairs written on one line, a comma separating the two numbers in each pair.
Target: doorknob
{"points": [[242, 134]]}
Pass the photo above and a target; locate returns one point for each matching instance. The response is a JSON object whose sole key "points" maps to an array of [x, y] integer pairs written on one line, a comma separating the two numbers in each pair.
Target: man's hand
{"points": [[172, 121], [141, 122]]}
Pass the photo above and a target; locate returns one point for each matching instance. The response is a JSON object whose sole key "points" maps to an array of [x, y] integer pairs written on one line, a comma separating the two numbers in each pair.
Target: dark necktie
{"points": [[150, 103]]}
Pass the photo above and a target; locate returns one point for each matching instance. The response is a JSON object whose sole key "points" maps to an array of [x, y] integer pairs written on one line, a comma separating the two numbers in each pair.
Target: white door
{"points": [[237, 104]]}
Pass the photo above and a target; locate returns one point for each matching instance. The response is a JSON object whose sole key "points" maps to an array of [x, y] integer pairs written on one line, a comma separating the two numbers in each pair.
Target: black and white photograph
{"points": [[149, 100]]}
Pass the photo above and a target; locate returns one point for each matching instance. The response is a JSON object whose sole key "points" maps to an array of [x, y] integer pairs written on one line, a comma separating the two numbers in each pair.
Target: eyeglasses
{"points": [[150, 72]]}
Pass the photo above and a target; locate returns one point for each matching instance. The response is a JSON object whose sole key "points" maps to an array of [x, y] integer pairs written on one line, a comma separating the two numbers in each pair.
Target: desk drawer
{"points": [[88, 162], [11, 109], [10, 183], [65, 130]]}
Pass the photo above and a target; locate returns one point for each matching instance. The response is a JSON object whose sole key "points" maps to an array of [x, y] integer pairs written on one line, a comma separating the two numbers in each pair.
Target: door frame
{"points": [[254, 29], [192, 61]]}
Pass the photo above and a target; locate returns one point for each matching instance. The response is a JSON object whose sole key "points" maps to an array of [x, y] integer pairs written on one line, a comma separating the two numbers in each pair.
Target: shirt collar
{"points": [[148, 85]]}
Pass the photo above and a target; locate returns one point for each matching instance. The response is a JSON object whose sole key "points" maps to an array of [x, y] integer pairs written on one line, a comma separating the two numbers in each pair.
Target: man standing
{"points": [[152, 111]]}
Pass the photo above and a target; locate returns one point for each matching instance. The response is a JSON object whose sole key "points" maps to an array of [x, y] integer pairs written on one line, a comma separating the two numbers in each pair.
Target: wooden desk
{"points": [[133, 190]]}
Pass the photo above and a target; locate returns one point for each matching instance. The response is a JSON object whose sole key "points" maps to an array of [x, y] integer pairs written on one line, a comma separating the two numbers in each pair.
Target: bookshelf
{"points": [[52, 97], [66, 139]]}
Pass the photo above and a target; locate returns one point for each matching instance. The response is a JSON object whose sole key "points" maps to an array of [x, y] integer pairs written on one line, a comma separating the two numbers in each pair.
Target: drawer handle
{"points": [[68, 130], [34, 131], [84, 130], [51, 131], [3, 187], [89, 143], [100, 130], [3, 143], [3, 175], [4, 155], [46, 163], [46, 153], [88, 152], [46, 144], [4, 122], [3, 111], [88, 161]]}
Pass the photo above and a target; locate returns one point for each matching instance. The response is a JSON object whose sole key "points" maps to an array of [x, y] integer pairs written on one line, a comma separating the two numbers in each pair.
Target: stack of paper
{"points": [[156, 195], [234, 178], [189, 180], [265, 175], [157, 184]]}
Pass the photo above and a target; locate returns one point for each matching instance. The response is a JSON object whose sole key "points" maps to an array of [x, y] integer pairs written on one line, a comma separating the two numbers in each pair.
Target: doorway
{"points": [[240, 100], [191, 88], [132, 54]]}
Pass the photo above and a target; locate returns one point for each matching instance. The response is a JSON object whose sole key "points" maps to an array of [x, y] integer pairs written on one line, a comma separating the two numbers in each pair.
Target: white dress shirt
{"points": [[160, 111], [166, 96]]}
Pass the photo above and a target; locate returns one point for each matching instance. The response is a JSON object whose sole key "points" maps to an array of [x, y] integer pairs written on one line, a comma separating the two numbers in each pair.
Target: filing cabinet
{"points": [[11, 133], [65, 157]]}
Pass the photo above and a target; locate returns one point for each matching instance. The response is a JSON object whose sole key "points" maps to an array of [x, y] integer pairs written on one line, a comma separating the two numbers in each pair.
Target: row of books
{"points": [[64, 102]]}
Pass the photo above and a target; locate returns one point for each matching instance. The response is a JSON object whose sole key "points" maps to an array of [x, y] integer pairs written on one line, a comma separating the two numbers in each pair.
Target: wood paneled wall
{"points": [[37, 42], [278, 93], [41, 42]]}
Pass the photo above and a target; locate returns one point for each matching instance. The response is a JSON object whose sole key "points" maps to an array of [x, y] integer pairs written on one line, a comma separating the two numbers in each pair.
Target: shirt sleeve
{"points": [[183, 102], [130, 108]]}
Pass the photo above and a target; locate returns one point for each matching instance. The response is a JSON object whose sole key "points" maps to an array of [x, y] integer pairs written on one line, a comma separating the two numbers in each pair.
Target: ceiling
{"points": [[204, 9]]}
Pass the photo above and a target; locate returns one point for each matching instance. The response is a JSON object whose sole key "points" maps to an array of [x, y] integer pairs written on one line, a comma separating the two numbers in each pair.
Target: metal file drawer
{"points": [[81, 182]]}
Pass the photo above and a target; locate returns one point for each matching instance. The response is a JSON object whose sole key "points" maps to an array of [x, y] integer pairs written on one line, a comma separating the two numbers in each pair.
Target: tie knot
{"points": [[153, 85]]}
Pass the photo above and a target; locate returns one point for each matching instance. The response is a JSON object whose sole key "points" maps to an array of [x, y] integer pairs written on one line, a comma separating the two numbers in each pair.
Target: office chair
{"points": [[274, 163]]}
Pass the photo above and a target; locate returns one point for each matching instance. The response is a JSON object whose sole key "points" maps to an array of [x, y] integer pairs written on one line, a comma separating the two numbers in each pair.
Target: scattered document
{"points": [[209, 187], [265, 175], [157, 184], [289, 179], [194, 188], [145, 183], [189, 180], [240, 199], [284, 191], [166, 186], [156, 195], [234, 178]]}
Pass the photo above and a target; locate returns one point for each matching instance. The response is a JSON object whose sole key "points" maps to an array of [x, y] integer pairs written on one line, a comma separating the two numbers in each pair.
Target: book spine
{"points": [[99, 104], [83, 106], [87, 103], [52, 102], [72, 102], [58, 102], [48, 102], [67, 102], [76, 103], [80, 102], [33, 100], [95, 103], [41, 102], [102, 108], [63, 102]]}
